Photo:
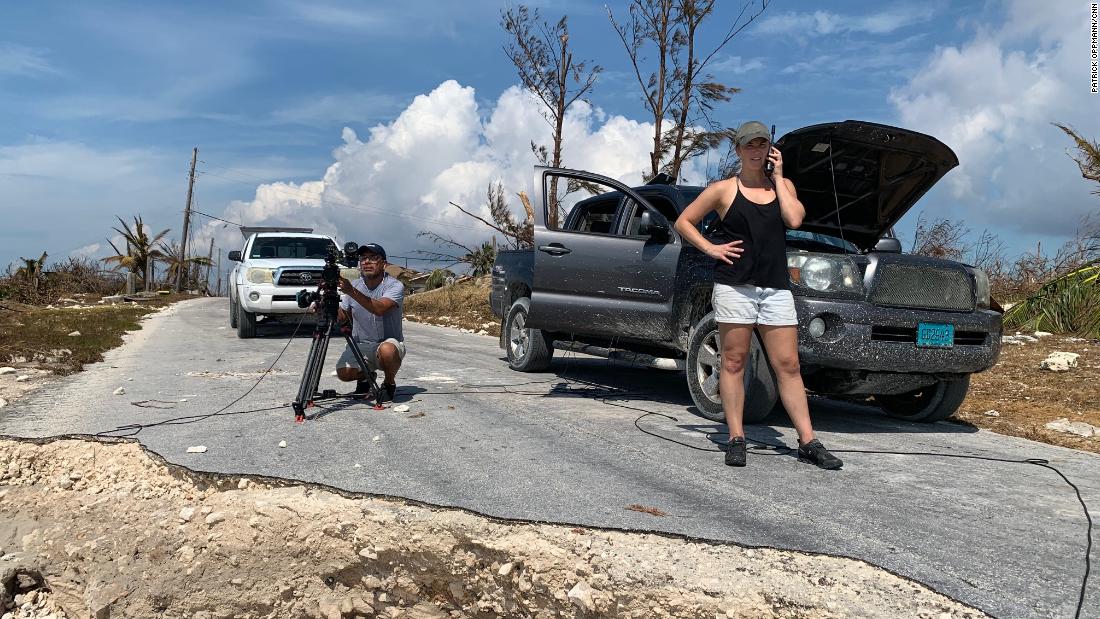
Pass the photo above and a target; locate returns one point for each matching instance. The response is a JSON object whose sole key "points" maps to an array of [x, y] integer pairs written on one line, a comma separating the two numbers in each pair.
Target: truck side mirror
{"points": [[652, 229], [888, 245], [235, 256]]}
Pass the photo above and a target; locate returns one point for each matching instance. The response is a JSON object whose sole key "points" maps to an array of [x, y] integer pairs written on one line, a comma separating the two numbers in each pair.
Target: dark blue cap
{"points": [[373, 248]]}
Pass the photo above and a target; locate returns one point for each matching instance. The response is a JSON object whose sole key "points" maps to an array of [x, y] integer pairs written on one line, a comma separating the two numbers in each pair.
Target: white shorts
{"points": [[752, 305], [369, 351]]}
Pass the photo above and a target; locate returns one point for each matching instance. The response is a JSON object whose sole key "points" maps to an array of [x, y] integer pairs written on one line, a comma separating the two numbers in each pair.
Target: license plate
{"points": [[935, 335]]}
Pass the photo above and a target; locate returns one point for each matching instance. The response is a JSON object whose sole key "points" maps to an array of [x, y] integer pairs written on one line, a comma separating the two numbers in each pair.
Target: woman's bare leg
{"points": [[734, 341], [781, 343]]}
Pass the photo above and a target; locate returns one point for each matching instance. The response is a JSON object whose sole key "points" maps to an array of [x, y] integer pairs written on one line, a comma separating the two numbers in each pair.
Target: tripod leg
{"points": [[311, 377], [371, 376]]}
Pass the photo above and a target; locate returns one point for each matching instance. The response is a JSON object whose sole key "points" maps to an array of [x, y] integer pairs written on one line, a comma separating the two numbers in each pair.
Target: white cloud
{"points": [[399, 179], [87, 251], [992, 100], [24, 61], [736, 65], [70, 162], [338, 108], [827, 23]]}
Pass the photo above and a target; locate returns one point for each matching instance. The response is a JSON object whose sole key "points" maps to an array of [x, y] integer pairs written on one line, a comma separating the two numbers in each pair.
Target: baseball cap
{"points": [[373, 248], [750, 131]]}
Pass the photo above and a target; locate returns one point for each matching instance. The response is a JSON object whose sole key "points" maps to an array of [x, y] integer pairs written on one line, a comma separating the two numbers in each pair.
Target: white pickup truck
{"points": [[273, 266]]}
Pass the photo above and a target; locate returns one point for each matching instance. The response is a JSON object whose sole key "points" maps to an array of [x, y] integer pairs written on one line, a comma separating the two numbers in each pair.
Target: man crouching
{"points": [[376, 301]]}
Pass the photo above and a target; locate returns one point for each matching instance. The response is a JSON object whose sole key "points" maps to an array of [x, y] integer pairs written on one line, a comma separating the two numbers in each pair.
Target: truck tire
{"points": [[232, 313], [703, 365], [528, 350], [246, 323], [935, 402]]}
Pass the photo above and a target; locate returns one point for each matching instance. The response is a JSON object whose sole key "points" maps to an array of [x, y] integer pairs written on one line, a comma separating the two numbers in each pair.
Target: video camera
{"points": [[327, 294]]}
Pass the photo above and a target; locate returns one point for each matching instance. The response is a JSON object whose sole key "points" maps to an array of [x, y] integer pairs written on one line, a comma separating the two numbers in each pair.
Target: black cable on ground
{"points": [[784, 450], [133, 429]]}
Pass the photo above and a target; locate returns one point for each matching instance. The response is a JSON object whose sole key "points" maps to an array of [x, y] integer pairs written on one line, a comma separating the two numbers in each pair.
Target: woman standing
{"points": [[752, 287]]}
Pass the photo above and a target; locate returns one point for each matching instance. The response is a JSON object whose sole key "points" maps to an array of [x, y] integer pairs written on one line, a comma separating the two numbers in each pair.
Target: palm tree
{"points": [[1070, 301], [140, 248], [31, 270], [171, 255], [1066, 304], [1088, 155]]}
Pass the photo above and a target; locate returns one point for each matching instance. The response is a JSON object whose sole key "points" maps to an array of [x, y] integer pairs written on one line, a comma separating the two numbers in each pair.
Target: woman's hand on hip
{"points": [[725, 252]]}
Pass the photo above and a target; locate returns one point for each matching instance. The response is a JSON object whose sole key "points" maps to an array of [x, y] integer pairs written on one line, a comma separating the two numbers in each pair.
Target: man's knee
{"points": [[347, 374], [388, 356]]}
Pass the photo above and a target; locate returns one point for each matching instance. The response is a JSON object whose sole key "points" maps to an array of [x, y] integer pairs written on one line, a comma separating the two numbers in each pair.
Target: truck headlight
{"points": [[260, 276], [981, 288], [824, 272]]}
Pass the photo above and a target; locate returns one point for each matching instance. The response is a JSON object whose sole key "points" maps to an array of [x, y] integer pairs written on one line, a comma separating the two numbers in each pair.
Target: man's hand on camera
{"points": [[312, 308], [345, 286]]}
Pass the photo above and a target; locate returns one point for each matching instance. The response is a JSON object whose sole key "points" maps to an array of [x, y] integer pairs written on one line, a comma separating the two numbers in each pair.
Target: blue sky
{"points": [[364, 119]]}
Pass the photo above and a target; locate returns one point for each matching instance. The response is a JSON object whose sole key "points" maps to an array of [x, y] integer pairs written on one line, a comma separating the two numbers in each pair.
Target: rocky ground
{"points": [[104, 529]]}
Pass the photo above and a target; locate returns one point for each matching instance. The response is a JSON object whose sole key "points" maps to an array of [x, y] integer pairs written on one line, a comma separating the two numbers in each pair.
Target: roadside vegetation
{"points": [[33, 336]]}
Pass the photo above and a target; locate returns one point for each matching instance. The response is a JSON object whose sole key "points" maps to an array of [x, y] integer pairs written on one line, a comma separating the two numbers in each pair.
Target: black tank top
{"points": [[762, 232]]}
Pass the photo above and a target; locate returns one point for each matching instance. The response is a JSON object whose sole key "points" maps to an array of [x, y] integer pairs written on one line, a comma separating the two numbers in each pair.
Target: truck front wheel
{"points": [[528, 350], [246, 323], [935, 402], [704, 362], [232, 313]]}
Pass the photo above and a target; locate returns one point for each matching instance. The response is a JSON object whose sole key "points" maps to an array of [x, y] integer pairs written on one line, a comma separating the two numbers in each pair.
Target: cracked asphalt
{"points": [[568, 446]]}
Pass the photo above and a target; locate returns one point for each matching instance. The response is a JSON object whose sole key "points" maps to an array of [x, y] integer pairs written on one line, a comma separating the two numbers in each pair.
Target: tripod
{"points": [[327, 324]]}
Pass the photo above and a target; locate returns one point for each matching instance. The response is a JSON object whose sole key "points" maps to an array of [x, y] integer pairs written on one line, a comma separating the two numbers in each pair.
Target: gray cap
{"points": [[750, 131]]}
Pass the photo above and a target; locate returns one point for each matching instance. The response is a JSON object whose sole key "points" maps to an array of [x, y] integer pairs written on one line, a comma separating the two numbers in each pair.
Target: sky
{"points": [[363, 120]]}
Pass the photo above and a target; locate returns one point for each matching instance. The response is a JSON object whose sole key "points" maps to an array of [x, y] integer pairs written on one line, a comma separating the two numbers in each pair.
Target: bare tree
{"points": [[479, 259], [679, 86], [546, 68], [942, 238], [518, 234]]}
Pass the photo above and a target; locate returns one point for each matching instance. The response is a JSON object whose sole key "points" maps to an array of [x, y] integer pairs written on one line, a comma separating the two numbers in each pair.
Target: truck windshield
{"points": [[291, 247], [819, 242]]}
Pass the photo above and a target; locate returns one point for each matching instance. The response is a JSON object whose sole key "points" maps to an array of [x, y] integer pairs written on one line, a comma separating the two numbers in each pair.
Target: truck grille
{"points": [[299, 277], [903, 285]]}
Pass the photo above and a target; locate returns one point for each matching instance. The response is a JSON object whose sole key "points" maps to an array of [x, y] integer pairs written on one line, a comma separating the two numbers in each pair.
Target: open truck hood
{"points": [[879, 173]]}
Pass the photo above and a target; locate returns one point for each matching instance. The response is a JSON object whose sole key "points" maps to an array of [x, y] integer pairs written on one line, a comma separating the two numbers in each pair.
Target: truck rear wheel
{"points": [[246, 323], [704, 363], [528, 350], [935, 402]]}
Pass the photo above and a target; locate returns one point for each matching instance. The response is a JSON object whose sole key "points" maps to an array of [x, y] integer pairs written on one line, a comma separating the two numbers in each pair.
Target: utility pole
{"points": [[186, 219], [209, 263], [219, 271]]}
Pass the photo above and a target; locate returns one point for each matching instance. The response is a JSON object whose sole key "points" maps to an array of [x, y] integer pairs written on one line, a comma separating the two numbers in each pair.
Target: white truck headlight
{"points": [[260, 276], [824, 272]]}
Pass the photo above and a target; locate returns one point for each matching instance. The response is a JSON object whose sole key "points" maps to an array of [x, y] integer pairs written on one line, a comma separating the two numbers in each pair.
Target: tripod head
{"points": [[327, 295]]}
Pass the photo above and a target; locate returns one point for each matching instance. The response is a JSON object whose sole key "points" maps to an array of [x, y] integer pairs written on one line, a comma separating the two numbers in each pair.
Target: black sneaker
{"points": [[388, 391], [735, 452], [362, 390], [815, 453]]}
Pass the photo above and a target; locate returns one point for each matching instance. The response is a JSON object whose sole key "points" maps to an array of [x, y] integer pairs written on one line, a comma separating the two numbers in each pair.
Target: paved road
{"points": [[1007, 538]]}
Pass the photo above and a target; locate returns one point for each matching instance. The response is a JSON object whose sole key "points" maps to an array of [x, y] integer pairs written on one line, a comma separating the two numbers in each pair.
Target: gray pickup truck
{"points": [[610, 275]]}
